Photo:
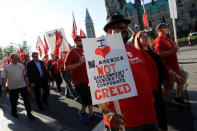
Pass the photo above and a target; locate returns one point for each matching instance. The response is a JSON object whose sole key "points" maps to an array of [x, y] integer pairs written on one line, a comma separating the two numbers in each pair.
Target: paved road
{"points": [[62, 115]]}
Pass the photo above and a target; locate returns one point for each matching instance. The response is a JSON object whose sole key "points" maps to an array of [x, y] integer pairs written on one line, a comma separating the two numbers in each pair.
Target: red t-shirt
{"points": [[45, 64], [79, 75], [138, 110], [163, 44], [60, 61], [25, 64], [55, 66]]}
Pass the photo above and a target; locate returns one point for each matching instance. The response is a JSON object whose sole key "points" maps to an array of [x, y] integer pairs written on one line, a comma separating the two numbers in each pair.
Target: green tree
{"points": [[25, 46], [10, 49], [1, 53], [13, 48]]}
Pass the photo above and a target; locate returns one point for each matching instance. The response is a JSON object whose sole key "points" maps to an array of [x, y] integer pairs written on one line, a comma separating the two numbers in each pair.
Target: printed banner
{"points": [[108, 68], [51, 38]]}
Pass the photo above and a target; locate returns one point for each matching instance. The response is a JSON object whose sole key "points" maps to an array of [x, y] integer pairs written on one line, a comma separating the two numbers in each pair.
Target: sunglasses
{"points": [[35, 56]]}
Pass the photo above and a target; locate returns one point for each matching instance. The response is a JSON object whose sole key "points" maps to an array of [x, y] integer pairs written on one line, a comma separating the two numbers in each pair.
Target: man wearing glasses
{"points": [[138, 113], [38, 78]]}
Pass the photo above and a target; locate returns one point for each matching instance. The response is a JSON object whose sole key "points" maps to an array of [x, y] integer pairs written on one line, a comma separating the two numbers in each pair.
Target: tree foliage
{"points": [[13, 48], [1, 53]]}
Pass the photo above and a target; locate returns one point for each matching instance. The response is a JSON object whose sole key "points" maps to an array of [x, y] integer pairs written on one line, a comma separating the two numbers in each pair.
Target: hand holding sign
{"points": [[115, 119], [81, 60]]}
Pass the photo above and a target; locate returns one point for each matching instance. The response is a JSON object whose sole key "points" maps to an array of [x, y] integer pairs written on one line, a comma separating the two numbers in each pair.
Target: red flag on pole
{"points": [[9, 57], [74, 29], [82, 34], [69, 46], [40, 46], [21, 56], [26, 53], [58, 42], [145, 20], [46, 49]]}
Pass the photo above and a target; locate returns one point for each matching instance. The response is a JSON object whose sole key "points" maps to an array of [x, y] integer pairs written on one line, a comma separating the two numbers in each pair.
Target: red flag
{"points": [[74, 29], [145, 20], [46, 49], [26, 53], [9, 57], [21, 56], [58, 42], [69, 46], [82, 34], [40, 46]]}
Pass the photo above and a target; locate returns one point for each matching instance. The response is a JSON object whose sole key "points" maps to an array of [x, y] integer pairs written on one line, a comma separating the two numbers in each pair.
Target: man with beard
{"points": [[138, 113], [75, 63]]}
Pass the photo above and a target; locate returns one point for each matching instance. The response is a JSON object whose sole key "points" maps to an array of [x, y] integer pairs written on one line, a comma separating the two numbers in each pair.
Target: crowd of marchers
{"points": [[154, 76]]}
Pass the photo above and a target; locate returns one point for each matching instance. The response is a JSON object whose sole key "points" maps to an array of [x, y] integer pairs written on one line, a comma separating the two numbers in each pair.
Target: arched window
{"points": [[193, 10], [161, 5], [163, 19], [180, 28], [147, 10], [150, 23]]}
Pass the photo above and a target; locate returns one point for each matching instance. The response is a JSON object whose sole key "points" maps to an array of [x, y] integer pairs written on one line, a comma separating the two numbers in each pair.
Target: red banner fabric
{"points": [[145, 20], [82, 34], [9, 57], [21, 56], [26, 53], [46, 49], [58, 43], [40, 46], [74, 29]]}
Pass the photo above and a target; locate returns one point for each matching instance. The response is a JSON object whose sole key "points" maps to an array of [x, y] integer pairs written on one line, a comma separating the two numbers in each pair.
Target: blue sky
{"points": [[26, 19]]}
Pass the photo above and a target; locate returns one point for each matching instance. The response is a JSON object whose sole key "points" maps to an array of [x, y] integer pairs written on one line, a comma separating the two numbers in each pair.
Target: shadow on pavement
{"points": [[182, 119], [61, 115]]}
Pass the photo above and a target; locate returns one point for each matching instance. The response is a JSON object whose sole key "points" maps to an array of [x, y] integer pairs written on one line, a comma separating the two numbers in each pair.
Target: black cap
{"points": [[115, 19], [161, 25]]}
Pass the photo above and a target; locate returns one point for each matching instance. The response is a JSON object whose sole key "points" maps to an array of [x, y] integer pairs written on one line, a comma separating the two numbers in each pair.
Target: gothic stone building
{"points": [[157, 11], [89, 25]]}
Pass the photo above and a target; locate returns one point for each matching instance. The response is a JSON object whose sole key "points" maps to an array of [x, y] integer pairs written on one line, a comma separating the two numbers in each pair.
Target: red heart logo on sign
{"points": [[103, 51]]}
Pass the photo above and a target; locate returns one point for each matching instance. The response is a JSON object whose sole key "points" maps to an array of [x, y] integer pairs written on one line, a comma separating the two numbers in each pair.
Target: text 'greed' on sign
{"points": [[112, 91]]}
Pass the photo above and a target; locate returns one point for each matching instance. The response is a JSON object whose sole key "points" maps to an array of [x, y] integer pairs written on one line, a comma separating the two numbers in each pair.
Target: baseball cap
{"points": [[161, 25]]}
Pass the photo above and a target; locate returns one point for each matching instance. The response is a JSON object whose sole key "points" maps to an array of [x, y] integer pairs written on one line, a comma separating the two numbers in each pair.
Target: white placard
{"points": [[51, 38], [108, 68], [172, 8]]}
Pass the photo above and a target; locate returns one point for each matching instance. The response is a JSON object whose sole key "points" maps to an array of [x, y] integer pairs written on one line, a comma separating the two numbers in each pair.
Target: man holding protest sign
{"points": [[75, 63], [138, 113]]}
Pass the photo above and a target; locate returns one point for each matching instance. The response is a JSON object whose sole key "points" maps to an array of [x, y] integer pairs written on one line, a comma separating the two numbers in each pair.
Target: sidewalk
{"points": [[22, 123], [61, 115]]}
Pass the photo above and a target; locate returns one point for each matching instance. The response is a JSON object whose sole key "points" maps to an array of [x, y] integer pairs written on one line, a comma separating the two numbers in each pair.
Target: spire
{"points": [[87, 14], [89, 25]]}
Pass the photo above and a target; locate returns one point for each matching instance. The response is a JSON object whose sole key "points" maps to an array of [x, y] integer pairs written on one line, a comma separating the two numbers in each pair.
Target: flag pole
{"points": [[145, 12]]}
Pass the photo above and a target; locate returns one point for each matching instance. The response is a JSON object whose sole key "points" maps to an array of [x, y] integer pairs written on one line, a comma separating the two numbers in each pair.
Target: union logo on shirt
{"points": [[133, 59]]}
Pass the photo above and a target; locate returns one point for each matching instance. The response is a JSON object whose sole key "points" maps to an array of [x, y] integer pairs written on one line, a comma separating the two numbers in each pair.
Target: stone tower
{"points": [[114, 6], [89, 26]]}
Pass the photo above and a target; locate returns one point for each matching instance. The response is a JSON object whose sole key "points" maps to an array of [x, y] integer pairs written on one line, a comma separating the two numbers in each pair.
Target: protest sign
{"points": [[51, 38], [108, 68]]}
